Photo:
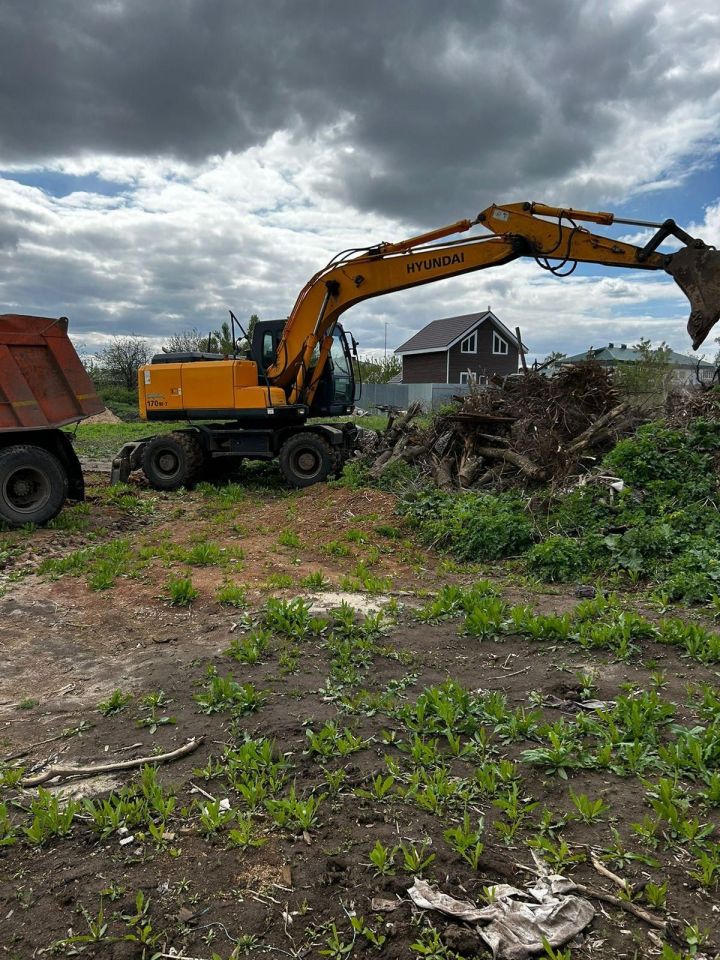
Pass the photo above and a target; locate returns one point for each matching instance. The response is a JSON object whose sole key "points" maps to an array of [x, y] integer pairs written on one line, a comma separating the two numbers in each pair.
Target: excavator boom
{"points": [[520, 230]]}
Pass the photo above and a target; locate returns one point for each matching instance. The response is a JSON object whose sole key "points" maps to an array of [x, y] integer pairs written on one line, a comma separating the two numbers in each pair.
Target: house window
{"points": [[469, 344], [499, 345]]}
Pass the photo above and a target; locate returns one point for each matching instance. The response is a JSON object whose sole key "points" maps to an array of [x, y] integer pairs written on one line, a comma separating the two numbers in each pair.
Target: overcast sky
{"points": [[162, 161]]}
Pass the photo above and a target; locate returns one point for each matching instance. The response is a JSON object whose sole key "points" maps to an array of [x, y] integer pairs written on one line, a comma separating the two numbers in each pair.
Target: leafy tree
{"points": [[379, 369], [648, 378], [223, 342], [120, 360]]}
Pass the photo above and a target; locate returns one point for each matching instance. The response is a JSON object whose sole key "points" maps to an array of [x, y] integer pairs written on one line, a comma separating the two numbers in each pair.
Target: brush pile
{"points": [[521, 430]]}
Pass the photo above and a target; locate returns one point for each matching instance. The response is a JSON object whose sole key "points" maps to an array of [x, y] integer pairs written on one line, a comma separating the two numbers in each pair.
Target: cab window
{"points": [[268, 349]]}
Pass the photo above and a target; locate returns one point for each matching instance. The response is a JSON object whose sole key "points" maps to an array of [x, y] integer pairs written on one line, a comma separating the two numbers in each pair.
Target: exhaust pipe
{"points": [[696, 270]]}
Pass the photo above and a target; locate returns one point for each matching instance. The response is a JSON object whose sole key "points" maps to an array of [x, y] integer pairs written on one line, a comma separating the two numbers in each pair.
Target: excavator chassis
{"points": [[307, 453]]}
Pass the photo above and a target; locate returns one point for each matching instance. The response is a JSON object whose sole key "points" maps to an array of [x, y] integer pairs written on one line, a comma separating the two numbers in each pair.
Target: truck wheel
{"points": [[306, 459], [33, 485], [172, 461]]}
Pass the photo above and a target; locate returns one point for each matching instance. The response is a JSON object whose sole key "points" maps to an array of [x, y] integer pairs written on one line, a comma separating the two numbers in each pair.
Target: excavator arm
{"points": [[516, 230]]}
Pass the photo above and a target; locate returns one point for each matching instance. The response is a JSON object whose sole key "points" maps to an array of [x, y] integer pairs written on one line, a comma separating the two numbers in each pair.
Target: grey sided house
{"points": [[472, 347]]}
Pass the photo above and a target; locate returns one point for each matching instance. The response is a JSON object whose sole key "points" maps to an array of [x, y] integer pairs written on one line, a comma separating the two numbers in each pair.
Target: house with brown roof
{"points": [[469, 348]]}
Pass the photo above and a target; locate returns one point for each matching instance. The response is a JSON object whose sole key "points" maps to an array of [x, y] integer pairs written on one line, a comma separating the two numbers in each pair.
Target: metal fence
{"points": [[376, 396]]}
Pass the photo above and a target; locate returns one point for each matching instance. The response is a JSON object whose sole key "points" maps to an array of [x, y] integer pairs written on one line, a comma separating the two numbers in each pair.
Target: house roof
{"points": [[440, 335], [624, 354]]}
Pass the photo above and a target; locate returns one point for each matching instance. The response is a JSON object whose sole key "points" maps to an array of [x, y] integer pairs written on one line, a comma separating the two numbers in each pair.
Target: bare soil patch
{"points": [[66, 647]]}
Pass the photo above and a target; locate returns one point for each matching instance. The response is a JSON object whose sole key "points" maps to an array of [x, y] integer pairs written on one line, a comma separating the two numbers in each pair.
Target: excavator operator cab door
{"points": [[266, 336], [335, 394]]}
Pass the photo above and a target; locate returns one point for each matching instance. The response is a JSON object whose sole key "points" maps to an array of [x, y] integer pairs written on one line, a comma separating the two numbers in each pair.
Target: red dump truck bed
{"points": [[43, 384]]}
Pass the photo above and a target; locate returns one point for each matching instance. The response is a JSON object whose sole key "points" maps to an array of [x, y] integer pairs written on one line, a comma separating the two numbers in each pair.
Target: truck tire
{"points": [[33, 485], [172, 461], [306, 458]]}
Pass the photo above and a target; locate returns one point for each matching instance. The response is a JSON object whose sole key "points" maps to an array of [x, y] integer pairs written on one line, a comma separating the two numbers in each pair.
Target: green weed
{"points": [[180, 591], [116, 702], [231, 595], [223, 693]]}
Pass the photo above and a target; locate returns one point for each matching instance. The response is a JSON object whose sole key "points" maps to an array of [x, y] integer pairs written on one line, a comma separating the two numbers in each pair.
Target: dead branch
{"points": [[524, 465], [624, 905], [599, 425], [518, 431], [603, 871], [62, 770]]}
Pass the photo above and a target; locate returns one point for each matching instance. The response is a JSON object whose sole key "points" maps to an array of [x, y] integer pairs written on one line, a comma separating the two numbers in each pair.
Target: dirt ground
{"points": [[296, 890]]}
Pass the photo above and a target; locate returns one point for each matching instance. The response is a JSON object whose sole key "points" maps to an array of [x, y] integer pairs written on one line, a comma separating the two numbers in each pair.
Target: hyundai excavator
{"points": [[261, 403]]}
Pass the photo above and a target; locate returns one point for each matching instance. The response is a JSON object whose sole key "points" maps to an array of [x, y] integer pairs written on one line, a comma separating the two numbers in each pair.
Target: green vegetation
{"points": [[231, 595], [116, 702], [468, 770], [180, 591], [403, 752], [471, 526], [101, 441], [662, 527]]}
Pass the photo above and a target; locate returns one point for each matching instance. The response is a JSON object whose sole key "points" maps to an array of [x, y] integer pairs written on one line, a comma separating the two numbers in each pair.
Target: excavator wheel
{"points": [[340, 457], [306, 459], [172, 461]]}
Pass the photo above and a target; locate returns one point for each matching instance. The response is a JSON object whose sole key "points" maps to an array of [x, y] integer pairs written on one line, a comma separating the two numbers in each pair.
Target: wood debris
{"points": [[526, 429]]}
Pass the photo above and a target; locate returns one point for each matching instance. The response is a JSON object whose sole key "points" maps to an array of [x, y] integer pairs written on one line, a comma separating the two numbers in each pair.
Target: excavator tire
{"points": [[33, 485], [340, 457], [173, 460], [306, 459]]}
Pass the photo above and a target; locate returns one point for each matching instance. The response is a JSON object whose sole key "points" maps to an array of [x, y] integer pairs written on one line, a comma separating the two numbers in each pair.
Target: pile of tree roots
{"points": [[522, 430]]}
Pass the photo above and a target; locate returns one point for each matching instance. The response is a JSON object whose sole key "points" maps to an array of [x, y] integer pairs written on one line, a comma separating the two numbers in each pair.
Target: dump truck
{"points": [[43, 387], [261, 403]]}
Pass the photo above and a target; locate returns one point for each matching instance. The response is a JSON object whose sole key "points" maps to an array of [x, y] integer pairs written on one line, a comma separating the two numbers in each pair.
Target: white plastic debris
{"points": [[423, 896], [513, 926]]}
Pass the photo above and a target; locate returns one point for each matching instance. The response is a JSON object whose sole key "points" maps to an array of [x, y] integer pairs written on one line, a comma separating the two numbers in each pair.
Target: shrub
{"points": [[471, 526], [560, 558], [659, 453]]}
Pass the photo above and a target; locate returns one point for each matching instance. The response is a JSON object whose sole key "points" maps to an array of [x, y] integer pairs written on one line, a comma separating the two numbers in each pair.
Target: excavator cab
{"points": [[335, 393]]}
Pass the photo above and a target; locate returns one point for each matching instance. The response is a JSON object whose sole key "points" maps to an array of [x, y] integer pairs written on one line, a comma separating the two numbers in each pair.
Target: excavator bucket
{"points": [[696, 270]]}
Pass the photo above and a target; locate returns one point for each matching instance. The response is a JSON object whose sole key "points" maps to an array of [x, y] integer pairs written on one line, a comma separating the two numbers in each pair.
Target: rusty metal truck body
{"points": [[43, 386]]}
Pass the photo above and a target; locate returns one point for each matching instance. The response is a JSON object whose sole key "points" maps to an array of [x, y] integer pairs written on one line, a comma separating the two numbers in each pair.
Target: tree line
{"points": [[117, 364]]}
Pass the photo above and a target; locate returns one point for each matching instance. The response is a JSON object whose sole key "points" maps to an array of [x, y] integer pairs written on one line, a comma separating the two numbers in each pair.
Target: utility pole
{"points": [[385, 355]]}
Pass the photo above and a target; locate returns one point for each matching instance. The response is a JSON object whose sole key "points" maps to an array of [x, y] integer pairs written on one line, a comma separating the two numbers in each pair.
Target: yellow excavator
{"points": [[261, 402]]}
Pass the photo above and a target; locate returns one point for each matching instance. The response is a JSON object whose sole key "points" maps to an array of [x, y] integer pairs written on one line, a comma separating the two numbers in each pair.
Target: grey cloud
{"points": [[450, 103]]}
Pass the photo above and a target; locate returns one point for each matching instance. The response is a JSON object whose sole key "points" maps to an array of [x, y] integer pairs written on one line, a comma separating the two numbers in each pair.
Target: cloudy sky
{"points": [[162, 161]]}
